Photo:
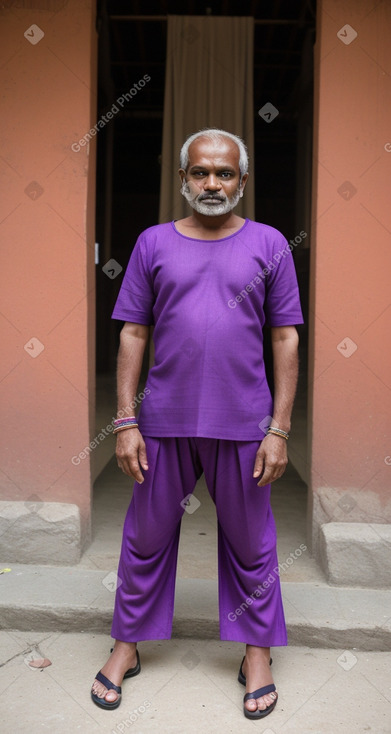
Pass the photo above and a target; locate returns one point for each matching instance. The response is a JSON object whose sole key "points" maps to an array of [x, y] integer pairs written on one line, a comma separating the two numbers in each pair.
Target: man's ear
{"points": [[185, 188], [243, 183]]}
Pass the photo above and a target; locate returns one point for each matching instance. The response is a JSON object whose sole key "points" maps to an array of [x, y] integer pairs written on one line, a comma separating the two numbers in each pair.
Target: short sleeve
{"points": [[136, 297], [282, 302]]}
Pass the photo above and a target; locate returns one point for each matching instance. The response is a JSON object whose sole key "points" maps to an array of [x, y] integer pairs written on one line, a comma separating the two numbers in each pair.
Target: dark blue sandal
{"points": [[112, 687], [241, 676], [132, 671], [258, 713]]}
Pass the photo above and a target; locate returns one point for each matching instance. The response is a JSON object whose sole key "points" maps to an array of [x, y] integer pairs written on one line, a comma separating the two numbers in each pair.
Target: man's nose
{"points": [[212, 183]]}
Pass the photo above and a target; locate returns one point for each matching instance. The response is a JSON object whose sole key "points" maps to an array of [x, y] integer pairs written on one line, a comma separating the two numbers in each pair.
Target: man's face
{"points": [[211, 183]]}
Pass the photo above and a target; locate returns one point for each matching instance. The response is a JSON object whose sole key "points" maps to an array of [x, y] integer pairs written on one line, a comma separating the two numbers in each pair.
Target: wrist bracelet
{"points": [[124, 428], [120, 421], [278, 432]]}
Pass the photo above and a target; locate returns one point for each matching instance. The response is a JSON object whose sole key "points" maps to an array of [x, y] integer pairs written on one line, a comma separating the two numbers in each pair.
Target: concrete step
{"points": [[70, 599]]}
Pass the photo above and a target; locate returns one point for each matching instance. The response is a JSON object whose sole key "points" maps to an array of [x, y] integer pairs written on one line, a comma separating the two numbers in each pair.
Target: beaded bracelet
{"points": [[120, 421], [124, 428], [278, 432]]}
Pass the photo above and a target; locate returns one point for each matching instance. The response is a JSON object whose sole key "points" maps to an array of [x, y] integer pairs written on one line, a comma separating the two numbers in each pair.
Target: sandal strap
{"points": [[260, 692], [106, 682], [137, 663]]}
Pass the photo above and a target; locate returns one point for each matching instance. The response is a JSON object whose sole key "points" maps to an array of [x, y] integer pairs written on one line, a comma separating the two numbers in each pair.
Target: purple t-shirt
{"points": [[208, 301]]}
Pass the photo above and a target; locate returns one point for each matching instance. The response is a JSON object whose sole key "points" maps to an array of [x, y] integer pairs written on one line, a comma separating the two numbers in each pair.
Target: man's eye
{"points": [[226, 174]]}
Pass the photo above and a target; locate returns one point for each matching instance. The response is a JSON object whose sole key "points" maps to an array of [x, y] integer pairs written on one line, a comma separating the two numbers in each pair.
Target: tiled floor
{"points": [[188, 687]]}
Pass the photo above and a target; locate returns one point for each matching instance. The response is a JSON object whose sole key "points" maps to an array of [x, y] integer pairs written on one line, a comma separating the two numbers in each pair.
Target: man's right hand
{"points": [[131, 453]]}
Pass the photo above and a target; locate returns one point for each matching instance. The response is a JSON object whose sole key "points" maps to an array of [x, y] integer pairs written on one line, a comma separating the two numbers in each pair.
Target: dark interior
{"points": [[132, 42]]}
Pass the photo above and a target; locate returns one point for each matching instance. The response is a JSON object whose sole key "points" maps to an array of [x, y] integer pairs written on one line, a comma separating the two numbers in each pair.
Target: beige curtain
{"points": [[209, 83]]}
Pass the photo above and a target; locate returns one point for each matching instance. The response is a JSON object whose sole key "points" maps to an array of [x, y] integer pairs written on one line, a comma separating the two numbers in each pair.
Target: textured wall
{"points": [[48, 83], [350, 381]]}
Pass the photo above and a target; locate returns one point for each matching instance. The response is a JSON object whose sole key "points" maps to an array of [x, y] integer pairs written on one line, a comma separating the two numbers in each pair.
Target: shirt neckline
{"points": [[221, 239]]}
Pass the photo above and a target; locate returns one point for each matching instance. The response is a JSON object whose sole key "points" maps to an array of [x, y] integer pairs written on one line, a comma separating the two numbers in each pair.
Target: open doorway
{"points": [[132, 43]]}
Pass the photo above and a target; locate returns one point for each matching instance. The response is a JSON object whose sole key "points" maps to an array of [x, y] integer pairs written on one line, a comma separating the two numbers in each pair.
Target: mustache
{"points": [[216, 197]]}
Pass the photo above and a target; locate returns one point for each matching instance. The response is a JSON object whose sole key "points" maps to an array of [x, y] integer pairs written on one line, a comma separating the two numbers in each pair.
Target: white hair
{"points": [[213, 133]]}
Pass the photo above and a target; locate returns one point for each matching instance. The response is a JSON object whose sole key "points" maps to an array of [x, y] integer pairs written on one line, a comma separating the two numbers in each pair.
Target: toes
{"points": [[100, 693], [251, 704], [111, 696], [266, 701], [98, 690], [261, 703]]}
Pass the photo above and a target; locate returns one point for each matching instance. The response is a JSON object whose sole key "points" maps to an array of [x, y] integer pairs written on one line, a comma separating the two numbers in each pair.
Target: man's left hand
{"points": [[271, 459]]}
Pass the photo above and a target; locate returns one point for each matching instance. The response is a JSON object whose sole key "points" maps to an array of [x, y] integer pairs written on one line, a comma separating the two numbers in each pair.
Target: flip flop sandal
{"points": [[132, 671], [258, 713], [241, 676], [101, 702]]}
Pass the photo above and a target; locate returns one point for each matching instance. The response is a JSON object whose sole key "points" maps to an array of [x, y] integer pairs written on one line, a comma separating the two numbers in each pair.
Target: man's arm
{"points": [[272, 457], [130, 449]]}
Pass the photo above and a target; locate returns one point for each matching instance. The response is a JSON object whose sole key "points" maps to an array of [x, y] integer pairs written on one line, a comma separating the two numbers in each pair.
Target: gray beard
{"points": [[210, 210]]}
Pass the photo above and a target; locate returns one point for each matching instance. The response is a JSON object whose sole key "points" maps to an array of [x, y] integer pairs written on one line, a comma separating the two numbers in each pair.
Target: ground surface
{"points": [[188, 687]]}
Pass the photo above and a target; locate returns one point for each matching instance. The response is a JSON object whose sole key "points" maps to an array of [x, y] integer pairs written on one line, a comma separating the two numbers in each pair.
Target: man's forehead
{"points": [[221, 151]]}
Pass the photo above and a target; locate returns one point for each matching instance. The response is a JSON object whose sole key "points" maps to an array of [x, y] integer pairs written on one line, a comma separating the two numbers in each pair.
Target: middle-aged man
{"points": [[208, 283]]}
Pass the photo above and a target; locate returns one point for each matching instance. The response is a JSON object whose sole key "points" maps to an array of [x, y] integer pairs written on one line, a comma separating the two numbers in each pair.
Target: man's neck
{"points": [[209, 227], [224, 221]]}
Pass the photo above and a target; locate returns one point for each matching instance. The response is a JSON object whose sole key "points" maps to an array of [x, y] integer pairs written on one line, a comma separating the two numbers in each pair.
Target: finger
{"points": [[266, 477], [142, 455], [259, 465], [269, 473], [130, 466], [272, 472], [135, 471]]}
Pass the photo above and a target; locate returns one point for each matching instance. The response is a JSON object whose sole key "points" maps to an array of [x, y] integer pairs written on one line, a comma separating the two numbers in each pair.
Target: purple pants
{"points": [[250, 603]]}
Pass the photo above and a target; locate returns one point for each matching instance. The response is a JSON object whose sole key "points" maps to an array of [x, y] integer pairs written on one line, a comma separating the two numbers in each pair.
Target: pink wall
{"points": [[350, 384], [47, 234], [47, 292]]}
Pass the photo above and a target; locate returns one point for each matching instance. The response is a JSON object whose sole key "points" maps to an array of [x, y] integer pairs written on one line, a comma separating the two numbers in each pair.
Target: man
{"points": [[208, 283]]}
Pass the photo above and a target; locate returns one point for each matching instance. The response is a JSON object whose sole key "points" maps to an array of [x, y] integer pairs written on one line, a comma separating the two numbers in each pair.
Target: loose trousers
{"points": [[250, 603]]}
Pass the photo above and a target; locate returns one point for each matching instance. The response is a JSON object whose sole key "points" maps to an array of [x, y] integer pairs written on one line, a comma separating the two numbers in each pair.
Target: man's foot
{"points": [[121, 659], [256, 669]]}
